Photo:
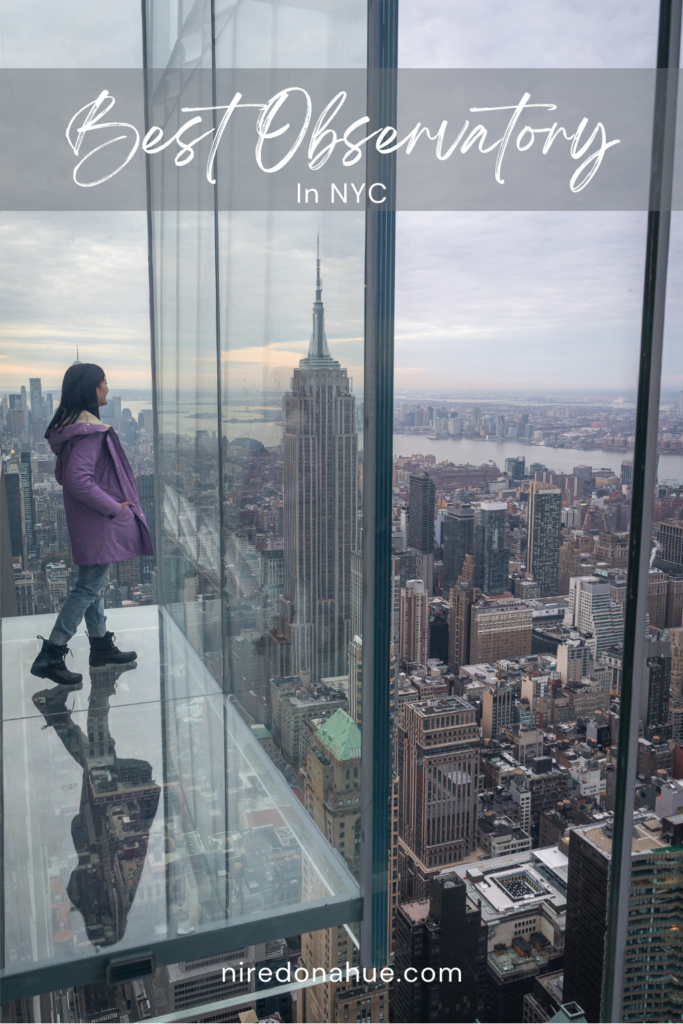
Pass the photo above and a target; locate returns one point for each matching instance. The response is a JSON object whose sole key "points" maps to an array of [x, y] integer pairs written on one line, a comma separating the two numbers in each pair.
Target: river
{"points": [[457, 449], [562, 460]]}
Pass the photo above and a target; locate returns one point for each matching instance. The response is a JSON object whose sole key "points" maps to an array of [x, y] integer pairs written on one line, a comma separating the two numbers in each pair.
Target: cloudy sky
{"points": [[536, 302]]}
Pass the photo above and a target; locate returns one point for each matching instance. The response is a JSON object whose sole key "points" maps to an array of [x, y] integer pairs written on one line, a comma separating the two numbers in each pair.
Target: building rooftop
{"points": [[647, 835], [340, 735], [441, 705], [516, 883], [417, 911]]}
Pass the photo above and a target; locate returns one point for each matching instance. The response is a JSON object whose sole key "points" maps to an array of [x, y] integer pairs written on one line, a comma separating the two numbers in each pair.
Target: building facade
{"points": [[437, 762], [320, 499], [544, 521]]}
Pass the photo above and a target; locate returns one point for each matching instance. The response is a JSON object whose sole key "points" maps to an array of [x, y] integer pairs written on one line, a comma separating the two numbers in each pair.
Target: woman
{"points": [[103, 515]]}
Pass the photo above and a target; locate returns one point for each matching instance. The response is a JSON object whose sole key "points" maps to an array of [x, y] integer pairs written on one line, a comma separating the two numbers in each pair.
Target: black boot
{"points": [[50, 665], [103, 651]]}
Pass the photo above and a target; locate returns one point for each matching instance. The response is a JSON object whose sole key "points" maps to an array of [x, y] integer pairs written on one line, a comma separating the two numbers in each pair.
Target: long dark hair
{"points": [[79, 394]]}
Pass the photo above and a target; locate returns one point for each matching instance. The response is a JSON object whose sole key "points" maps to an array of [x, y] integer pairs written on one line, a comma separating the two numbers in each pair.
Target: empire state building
{"points": [[320, 500]]}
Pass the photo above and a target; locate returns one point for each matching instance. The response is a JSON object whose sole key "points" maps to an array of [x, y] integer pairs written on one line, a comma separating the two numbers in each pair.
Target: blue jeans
{"points": [[85, 600]]}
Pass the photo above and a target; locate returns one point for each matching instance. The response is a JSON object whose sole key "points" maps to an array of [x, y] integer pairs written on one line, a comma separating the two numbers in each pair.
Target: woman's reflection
{"points": [[119, 801]]}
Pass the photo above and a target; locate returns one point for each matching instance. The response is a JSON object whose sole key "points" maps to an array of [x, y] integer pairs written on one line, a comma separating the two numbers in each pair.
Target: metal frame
{"points": [[644, 474], [240, 931], [380, 236]]}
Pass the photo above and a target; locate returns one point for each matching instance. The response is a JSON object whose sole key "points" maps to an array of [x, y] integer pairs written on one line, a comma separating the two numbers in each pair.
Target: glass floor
{"points": [[143, 822]]}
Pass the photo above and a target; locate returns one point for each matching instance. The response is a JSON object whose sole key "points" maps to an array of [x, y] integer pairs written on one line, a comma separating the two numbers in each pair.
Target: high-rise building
{"points": [[421, 526], [145, 485], [613, 549], [356, 680], [146, 420], [654, 710], [520, 898], [36, 396], [536, 689], [462, 597], [25, 589], [498, 710], [544, 523], [575, 657], [332, 798], [457, 540], [396, 602], [652, 968], [514, 467], [674, 601], [26, 474], [15, 510], [440, 932], [499, 628], [492, 554], [627, 472], [320, 447], [680, 403], [670, 545], [676, 640], [437, 749], [438, 629], [591, 610], [414, 623], [272, 583], [422, 505]]}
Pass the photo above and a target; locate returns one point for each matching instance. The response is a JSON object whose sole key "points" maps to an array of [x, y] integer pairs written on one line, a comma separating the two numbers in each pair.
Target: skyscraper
{"points": [[15, 509], [421, 526], [422, 502], [414, 623], [457, 540], [491, 550], [591, 610], [514, 467], [437, 747], [36, 395], [498, 709], [29, 505], [320, 447], [145, 485], [670, 541], [654, 710], [654, 956], [545, 536], [462, 597], [627, 472]]}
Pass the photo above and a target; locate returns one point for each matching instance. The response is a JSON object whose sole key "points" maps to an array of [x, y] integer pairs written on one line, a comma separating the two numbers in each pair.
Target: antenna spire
{"points": [[318, 347]]}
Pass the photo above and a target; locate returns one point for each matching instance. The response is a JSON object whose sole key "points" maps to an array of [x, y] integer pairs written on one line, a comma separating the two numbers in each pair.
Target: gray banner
{"points": [[291, 139]]}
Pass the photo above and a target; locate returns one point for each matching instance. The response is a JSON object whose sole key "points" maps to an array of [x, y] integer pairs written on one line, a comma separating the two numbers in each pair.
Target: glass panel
{"points": [[149, 810], [287, 458], [212, 824], [517, 344]]}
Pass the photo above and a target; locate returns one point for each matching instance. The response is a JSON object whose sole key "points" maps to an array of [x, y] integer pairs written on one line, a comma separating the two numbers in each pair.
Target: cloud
{"points": [[527, 34], [74, 279], [525, 301], [529, 301]]}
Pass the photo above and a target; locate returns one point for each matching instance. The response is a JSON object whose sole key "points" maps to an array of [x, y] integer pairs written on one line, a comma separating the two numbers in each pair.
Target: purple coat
{"points": [[94, 471]]}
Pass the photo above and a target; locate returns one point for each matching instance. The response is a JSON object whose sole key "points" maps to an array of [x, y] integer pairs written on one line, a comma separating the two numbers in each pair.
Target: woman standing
{"points": [[103, 515]]}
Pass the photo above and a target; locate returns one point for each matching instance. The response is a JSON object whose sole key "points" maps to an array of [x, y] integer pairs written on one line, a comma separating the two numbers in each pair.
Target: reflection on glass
{"points": [[119, 801], [150, 810]]}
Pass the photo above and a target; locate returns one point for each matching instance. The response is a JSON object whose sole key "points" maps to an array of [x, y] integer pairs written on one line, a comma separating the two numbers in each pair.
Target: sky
{"points": [[535, 301]]}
